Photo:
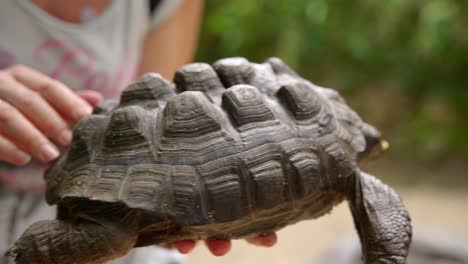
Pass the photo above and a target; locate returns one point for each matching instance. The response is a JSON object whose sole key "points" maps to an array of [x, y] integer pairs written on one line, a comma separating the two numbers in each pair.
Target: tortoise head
{"points": [[375, 145]]}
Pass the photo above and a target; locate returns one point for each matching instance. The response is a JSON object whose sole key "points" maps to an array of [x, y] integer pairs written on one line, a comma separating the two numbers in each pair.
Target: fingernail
{"points": [[82, 112], [48, 152], [65, 137], [21, 157], [220, 249], [184, 249], [268, 241], [184, 246]]}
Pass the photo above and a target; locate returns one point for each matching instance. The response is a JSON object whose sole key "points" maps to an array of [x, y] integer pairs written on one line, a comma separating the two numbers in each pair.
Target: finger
{"points": [[64, 100], [16, 128], [36, 109], [264, 240], [184, 246], [11, 153], [218, 247], [92, 97]]}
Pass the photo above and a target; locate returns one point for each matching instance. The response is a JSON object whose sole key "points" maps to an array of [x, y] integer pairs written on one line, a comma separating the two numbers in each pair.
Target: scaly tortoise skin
{"points": [[226, 151]]}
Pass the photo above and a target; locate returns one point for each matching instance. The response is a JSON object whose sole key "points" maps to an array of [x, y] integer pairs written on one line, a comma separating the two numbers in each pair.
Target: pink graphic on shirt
{"points": [[63, 61], [99, 82], [6, 59], [66, 59], [24, 179]]}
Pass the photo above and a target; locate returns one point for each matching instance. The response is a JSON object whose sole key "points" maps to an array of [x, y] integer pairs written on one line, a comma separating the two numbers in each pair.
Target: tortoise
{"points": [[225, 151]]}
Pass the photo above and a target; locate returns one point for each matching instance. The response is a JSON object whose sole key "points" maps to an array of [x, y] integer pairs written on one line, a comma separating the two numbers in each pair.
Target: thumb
{"points": [[90, 96]]}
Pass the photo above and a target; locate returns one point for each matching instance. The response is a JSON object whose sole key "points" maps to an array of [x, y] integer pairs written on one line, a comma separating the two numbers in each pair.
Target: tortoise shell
{"points": [[252, 145]]}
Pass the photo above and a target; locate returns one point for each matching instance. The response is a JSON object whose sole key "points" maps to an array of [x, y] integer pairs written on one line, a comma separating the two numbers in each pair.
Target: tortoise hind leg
{"points": [[82, 241], [382, 222]]}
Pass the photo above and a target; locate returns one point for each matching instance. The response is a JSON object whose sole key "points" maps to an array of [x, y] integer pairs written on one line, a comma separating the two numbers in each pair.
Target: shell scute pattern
{"points": [[192, 129], [107, 183], [85, 136], [126, 134], [303, 102], [246, 105], [190, 114], [263, 171], [350, 128], [199, 77], [218, 133], [269, 182], [220, 177], [145, 185], [188, 200], [234, 71], [147, 92], [307, 173], [78, 180]]}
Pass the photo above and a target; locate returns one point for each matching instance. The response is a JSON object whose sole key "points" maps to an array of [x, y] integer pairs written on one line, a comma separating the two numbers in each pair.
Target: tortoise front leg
{"points": [[382, 222], [79, 242]]}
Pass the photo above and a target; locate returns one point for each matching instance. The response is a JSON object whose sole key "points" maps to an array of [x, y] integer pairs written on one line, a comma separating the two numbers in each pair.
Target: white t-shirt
{"points": [[101, 54]]}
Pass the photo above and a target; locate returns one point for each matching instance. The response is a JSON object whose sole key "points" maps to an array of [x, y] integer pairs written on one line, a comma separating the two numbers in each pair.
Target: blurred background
{"points": [[403, 65]]}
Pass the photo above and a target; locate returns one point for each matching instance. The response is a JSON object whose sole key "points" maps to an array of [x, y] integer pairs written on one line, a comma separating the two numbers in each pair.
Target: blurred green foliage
{"points": [[404, 59]]}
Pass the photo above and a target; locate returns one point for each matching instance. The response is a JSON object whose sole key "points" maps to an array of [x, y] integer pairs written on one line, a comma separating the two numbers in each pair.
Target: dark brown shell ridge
{"points": [[258, 132]]}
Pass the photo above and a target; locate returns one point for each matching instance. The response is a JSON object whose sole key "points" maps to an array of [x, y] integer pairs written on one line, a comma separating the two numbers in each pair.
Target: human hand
{"points": [[222, 247], [35, 109]]}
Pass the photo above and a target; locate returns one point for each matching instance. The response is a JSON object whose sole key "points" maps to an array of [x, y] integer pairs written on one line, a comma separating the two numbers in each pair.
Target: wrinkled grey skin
{"points": [[226, 151]]}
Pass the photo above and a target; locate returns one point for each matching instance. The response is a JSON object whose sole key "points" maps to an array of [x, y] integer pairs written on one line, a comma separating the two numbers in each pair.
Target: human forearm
{"points": [[173, 43]]}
